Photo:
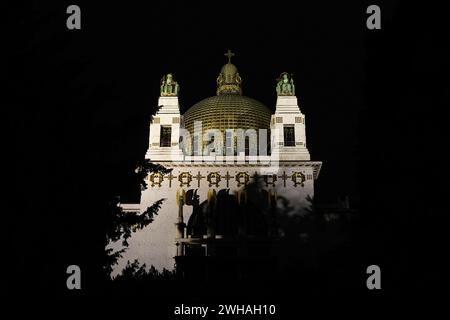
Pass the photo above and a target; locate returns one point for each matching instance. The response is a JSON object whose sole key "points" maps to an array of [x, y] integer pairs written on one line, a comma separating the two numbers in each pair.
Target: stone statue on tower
{"points": [[285, 85], [169, 87]]}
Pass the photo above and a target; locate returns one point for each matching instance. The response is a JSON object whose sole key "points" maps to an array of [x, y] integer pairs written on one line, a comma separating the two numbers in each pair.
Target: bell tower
{"points": [[288, 123], [165, 125]]}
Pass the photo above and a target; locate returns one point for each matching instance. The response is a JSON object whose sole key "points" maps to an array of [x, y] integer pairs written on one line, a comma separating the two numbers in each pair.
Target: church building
{"points": [[220, 146]]}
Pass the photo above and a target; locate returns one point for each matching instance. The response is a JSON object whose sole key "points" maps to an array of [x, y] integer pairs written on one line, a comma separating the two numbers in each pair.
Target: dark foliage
{"points": [[135, 272], [120, 224], [144, 168], [124, 223]]}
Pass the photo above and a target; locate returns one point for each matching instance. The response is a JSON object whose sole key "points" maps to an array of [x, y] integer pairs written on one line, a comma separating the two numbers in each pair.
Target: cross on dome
{"points": [[229, 54]]}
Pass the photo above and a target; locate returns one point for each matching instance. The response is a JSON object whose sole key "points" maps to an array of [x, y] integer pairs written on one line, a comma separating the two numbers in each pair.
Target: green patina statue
{"points": [[169, 87], [285, 85]]}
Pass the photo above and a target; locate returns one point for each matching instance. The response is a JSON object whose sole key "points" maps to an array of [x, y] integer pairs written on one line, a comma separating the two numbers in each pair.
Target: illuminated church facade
{"points": [[224, 142]]}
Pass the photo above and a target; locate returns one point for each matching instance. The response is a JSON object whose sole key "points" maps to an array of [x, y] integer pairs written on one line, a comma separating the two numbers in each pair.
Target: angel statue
{"points": [[285, 85], [169, 87]]}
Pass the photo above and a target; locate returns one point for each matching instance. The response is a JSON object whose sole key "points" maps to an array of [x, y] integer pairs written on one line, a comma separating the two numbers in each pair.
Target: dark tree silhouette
{"points": [[121, 225], [135, 272]]}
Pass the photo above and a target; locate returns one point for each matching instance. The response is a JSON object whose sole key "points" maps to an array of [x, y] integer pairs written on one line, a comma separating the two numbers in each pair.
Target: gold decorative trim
{"points": [[199, 177], [273, 179], [170, 177], [158, 176], [242, 176], [298, 178], [284, 177], [213, 179], [185, 178], [316, 165]]}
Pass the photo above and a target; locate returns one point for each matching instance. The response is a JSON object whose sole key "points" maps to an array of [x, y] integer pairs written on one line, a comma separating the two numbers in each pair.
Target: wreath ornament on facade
{"points": [[242, 178], [213, 179], [298, 178], [185, 178], [270, 179], [158, 176]]}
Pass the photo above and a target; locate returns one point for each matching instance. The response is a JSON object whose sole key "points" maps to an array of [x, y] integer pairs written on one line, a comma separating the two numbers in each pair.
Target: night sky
{"points": [[375, 103], [102, 83]]}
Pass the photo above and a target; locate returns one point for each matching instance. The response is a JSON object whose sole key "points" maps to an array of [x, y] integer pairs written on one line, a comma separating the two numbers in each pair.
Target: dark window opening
{"points": [[166, 136], [289, 136]]}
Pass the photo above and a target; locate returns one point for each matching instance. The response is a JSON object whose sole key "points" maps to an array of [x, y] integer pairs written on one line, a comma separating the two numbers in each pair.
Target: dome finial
{"points": [[229, 80], [229, 54]]}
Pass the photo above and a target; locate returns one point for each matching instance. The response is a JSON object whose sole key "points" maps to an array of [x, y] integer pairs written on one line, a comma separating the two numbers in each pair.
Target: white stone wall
{"points": [[155, 245]]}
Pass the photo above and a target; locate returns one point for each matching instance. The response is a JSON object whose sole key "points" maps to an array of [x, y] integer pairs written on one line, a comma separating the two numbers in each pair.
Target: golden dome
{"points": [[228, 111], [229, 68]]}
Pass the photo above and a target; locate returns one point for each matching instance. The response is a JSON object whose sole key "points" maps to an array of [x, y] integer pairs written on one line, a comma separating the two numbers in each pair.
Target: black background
{"points": [[376, 105]]}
